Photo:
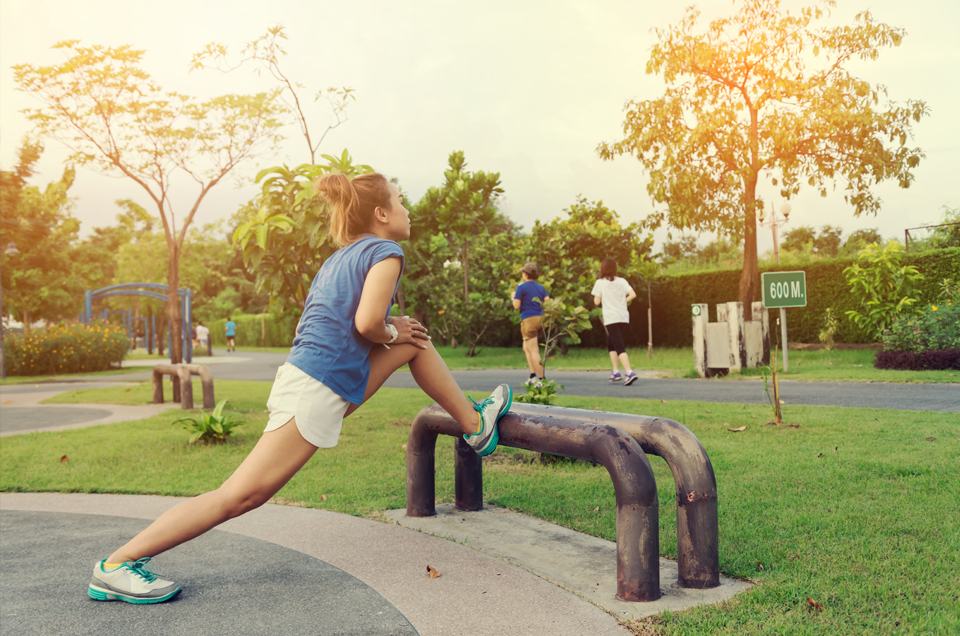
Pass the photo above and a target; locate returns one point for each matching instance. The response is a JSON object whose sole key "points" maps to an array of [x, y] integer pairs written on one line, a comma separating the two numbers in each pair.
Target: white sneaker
{"points": [[491, 410], [133, 582]]}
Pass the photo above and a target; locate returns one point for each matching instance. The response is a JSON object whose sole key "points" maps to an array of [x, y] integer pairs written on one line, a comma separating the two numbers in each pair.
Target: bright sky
{"points": [[527, 89]]}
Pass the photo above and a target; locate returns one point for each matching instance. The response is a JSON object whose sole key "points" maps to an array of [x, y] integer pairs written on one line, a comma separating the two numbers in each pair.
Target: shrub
{"points": [[541, 392], [210, 428], [937, 328], [57, 349], [926, 361]]}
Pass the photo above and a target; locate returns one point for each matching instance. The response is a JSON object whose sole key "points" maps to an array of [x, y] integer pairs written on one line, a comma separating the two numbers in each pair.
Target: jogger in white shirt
{"points": [[612, 294]]}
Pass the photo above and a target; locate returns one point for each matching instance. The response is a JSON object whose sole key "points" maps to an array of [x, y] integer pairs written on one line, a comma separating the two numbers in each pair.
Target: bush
{"points": [[826, 287], [935, 329], [75, 348], [926, 361]]}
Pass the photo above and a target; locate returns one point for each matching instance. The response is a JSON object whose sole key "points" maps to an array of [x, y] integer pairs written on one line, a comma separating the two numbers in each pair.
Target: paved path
{"points": [[883, 395]]}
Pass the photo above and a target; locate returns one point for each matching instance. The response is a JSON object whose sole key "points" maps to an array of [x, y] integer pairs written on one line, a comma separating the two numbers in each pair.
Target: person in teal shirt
{"points": [[231, 328]]}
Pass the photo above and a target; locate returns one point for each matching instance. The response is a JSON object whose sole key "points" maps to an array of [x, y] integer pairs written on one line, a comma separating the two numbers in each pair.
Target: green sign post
{"points": [[784, 289]]}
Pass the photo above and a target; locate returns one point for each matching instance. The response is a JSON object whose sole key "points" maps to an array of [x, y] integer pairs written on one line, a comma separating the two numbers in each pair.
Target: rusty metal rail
{"points": [[183, 384], [698, 554], [638, 562]]}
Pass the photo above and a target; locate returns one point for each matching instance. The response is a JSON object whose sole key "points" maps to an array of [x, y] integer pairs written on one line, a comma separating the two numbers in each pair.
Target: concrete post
{"points": [[738, 351], [699, 323]]}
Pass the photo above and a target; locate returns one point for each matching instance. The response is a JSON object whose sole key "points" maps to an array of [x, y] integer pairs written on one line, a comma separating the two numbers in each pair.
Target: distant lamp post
{"points": [[11, 250], [773, 222]]}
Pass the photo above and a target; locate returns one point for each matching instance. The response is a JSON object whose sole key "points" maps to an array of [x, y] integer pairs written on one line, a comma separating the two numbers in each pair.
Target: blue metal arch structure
{"points": [[149, 290]]}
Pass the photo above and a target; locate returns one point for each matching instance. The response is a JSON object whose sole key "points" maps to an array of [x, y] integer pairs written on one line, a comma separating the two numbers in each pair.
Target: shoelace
{"points": [[479, 406], [141, 569]]}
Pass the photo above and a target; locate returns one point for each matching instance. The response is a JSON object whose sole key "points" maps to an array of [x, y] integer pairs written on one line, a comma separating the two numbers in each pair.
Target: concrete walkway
{"points": [[278, 570]]}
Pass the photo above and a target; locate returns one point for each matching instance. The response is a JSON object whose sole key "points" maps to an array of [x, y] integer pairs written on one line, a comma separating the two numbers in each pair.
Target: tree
{"points": [[882, 286], [459, 224], [41, 281], [282, 234], [746, 103], [266, 52], [113, 118]]}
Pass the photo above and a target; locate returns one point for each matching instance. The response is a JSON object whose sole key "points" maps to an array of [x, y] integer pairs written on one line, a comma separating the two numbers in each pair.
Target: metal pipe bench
{"points": [[183, 384], [638, 561]]}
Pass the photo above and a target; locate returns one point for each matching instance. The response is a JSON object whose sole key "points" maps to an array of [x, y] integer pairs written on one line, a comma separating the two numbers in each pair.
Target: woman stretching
{"points": [[612, 294], [345, 348]]}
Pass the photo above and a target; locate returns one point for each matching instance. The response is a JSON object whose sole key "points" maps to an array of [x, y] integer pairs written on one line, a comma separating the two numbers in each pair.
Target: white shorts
{"points": [[319, 411]]}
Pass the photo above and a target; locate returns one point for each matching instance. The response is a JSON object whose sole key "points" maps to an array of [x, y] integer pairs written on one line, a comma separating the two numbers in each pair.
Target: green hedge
{"points": [[826, 287], [63, 348], [279, 330]]}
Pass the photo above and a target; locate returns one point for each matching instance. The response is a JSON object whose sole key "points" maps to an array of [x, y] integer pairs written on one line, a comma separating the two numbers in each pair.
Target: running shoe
{"points": [[491, 410], [630, 379], [531, 380], [133, 582], [615, 377]]}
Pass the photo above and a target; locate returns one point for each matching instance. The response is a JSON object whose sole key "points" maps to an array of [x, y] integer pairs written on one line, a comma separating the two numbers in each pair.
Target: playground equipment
{"points": [[618, 442], [183, 384], [150, 290]]}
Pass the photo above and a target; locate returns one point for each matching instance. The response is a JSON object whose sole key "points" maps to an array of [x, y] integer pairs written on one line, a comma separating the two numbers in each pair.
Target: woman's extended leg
{"points": [[431, 374], [274, 460]]}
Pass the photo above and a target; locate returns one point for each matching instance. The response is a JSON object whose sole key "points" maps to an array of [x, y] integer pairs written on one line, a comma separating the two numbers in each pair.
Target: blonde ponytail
{"points": [[353, 203]]}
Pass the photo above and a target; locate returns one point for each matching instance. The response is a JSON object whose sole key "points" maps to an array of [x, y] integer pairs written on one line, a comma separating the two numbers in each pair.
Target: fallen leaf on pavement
{"points": [[11, 401], [814, 604], [433, 572], [737, 430], [782, 402], [64, 459]]}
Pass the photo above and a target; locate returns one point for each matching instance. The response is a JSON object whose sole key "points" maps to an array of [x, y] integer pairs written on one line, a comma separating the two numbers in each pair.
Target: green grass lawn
{"points": [[847, 365], [855, 508], [34, 379]]}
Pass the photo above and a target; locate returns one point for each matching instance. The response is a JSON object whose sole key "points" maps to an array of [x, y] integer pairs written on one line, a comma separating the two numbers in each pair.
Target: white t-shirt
{"points": [[203, 333], [613, 299]]}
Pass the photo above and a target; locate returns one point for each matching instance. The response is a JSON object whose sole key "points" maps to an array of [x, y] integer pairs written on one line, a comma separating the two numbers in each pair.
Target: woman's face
{"points": [[398, 218]]}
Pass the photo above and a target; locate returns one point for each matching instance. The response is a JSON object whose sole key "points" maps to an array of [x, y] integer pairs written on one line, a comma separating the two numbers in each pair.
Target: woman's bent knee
{"points": [[237, 504]]}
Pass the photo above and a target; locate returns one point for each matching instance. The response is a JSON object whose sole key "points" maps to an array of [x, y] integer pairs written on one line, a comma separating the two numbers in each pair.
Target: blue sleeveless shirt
{"points": [[328, 346]]}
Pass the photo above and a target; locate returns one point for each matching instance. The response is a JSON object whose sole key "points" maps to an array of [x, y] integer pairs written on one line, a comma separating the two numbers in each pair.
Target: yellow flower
{"points": [[934, 307]]}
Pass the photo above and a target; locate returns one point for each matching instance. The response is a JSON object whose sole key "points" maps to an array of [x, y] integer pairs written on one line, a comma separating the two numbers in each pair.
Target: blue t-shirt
{"points": [[328, 346], [231, 328], [526, 292]]}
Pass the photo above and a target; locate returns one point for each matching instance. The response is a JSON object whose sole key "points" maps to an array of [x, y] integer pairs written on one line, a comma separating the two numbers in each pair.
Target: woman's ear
{"points": [[380, 214]]}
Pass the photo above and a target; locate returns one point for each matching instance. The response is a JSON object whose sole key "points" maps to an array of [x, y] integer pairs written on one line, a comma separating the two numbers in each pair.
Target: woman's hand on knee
{"points": [[409, 331]]}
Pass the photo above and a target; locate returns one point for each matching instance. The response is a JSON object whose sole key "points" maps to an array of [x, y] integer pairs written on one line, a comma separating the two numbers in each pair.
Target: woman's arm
{"points": [[375, 301], [596, 300], [630, 295]]}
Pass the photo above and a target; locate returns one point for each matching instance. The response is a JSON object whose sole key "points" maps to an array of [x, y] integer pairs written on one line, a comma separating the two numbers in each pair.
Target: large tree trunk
{"points": [[173, 306], [748, 278]]}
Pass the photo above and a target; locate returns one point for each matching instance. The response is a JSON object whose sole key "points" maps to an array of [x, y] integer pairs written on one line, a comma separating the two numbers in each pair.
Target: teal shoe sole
{"points": [[101, 595]]}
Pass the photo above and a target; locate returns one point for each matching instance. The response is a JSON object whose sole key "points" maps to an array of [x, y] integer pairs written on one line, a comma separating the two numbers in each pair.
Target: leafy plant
{"points": [[561, 321], [949, 289], [935, 329], [210, 428], [882, 285], [541, 392], [830, 325]]}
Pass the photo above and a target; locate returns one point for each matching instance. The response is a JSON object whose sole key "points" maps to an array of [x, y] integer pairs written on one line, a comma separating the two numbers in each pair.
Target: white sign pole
{"points": [[783, 337]]}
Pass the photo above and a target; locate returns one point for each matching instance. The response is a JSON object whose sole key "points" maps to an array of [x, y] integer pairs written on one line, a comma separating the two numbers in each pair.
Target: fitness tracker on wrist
{"points": [[394, 334]]}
